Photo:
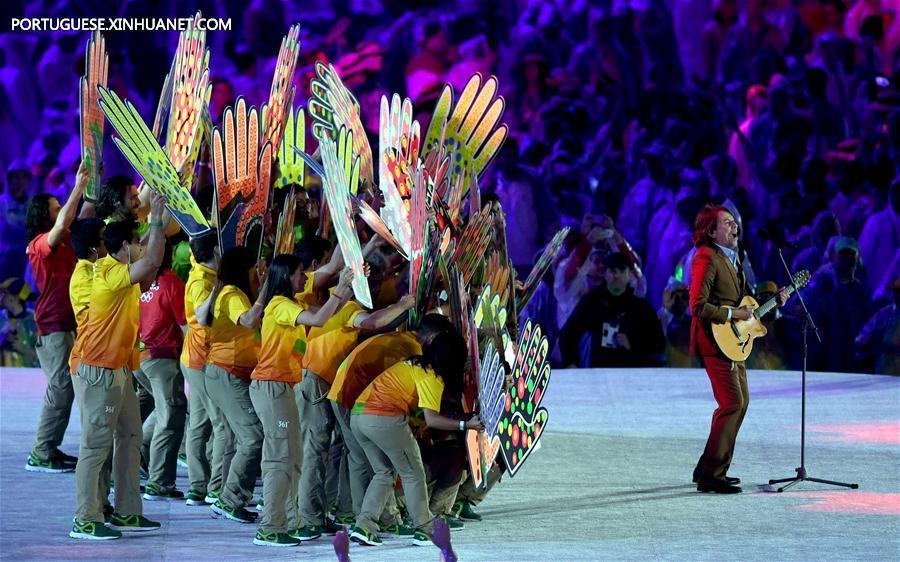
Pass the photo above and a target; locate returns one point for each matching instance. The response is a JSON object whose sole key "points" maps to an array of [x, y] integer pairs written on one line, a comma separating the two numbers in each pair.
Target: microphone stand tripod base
{"points": [[802, 477]]}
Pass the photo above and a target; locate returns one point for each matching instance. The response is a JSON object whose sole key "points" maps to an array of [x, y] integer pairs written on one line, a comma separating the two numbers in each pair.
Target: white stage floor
{"points": [[611, 481]]}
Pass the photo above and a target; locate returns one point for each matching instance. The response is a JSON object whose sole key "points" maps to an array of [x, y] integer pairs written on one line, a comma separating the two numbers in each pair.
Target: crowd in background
{"points": [[625, 118]]}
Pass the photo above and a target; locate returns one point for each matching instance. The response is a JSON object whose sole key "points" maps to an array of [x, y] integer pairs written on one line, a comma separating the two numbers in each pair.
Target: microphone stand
{"points": [[808, 322]]}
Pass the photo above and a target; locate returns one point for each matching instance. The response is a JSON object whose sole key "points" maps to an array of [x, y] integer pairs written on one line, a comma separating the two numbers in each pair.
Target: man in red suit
{"points": [[717, 283]]}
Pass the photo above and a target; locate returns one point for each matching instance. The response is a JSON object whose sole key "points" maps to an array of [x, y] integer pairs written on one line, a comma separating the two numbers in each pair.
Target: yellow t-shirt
{"points": [[308, 296], [278, 358], [197, 289], [328, 345], [368, 360], [80, 290], [400, 390], [232, 346], [80, 297], [109, 335]]}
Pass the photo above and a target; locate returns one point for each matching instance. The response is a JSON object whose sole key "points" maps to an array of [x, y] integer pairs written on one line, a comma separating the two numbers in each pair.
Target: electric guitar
{"points": [[735, 338]]}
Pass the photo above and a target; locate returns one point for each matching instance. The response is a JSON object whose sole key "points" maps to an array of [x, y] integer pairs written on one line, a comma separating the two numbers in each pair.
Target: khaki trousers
{"points": [[317, 425], [170, 405], [53, 354], [359, 470], [277, 411], [110, 422], [231, 395], [469, 493], [390, 446], [204, 462]]}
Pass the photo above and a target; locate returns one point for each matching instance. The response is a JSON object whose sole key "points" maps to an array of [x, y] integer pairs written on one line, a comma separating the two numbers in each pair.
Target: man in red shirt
{"points": [[53, 261], [162, 326]]}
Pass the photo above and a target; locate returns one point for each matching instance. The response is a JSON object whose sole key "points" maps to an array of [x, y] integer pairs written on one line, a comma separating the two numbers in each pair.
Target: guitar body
{"points": [[735, 338]]}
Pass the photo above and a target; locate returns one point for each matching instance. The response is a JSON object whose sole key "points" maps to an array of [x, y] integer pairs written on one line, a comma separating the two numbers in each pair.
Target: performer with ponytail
{"points": [[380, 422], [272, 394], [232, 357]]}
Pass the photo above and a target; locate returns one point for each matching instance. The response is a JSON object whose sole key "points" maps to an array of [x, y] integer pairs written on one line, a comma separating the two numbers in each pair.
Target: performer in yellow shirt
{"points": [[368, 360], [206, 419], [272, 394], [232, 357], [104, 387], [380, 422], [326, 349]]}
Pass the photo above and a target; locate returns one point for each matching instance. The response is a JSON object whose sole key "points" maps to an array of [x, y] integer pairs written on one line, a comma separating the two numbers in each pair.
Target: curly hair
{"points": [[37, 216], [111, 195]]}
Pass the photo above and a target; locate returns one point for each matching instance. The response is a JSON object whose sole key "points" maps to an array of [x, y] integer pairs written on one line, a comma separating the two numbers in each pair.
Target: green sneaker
{"points": [[137, 523], [362, 536], [94, 531], [152, 493], [421, 539], [182, 460], [344, 520], [211, 496], [454, 523], [239, 514], [307, 533], [260, 505], [397, 530], [465, 511], [143, 474], [52, 466], [195, 498], [275, 539]]}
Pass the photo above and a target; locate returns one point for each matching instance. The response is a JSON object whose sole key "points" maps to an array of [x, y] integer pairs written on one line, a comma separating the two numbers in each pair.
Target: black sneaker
{"points": [[240, 514], [65, 459], [132, 523]]}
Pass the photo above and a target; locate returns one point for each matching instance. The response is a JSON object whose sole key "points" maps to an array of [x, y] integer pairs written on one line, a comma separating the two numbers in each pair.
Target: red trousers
{"points": [[729, 386]]}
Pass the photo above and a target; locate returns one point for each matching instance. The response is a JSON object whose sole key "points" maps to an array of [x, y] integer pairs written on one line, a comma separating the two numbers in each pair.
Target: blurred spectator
{"points": [[621, 329], [878, 343], [18, 332], [824, 228], [675, 318], [13, 204], [840, 304], [767, 351], [880, 238]]}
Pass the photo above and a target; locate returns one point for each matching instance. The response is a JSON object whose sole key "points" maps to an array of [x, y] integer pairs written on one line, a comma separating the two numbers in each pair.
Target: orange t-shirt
{"points": [[279, 359], [371, 358], [328, 345], [109, 335], [197, 289], [232, 346], [400, 390]]}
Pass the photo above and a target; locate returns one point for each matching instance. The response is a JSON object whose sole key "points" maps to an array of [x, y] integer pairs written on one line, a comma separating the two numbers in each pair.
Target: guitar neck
{"points": [[771, 303]]}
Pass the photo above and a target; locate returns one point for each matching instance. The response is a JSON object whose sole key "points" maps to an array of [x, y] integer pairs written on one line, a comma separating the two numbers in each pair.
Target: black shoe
{"points": [[64, 458], [730, 479], [717, 486]]}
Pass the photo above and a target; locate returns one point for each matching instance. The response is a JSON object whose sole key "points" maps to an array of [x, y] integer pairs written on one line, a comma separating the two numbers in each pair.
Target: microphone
{"points": [[776, 238]]}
